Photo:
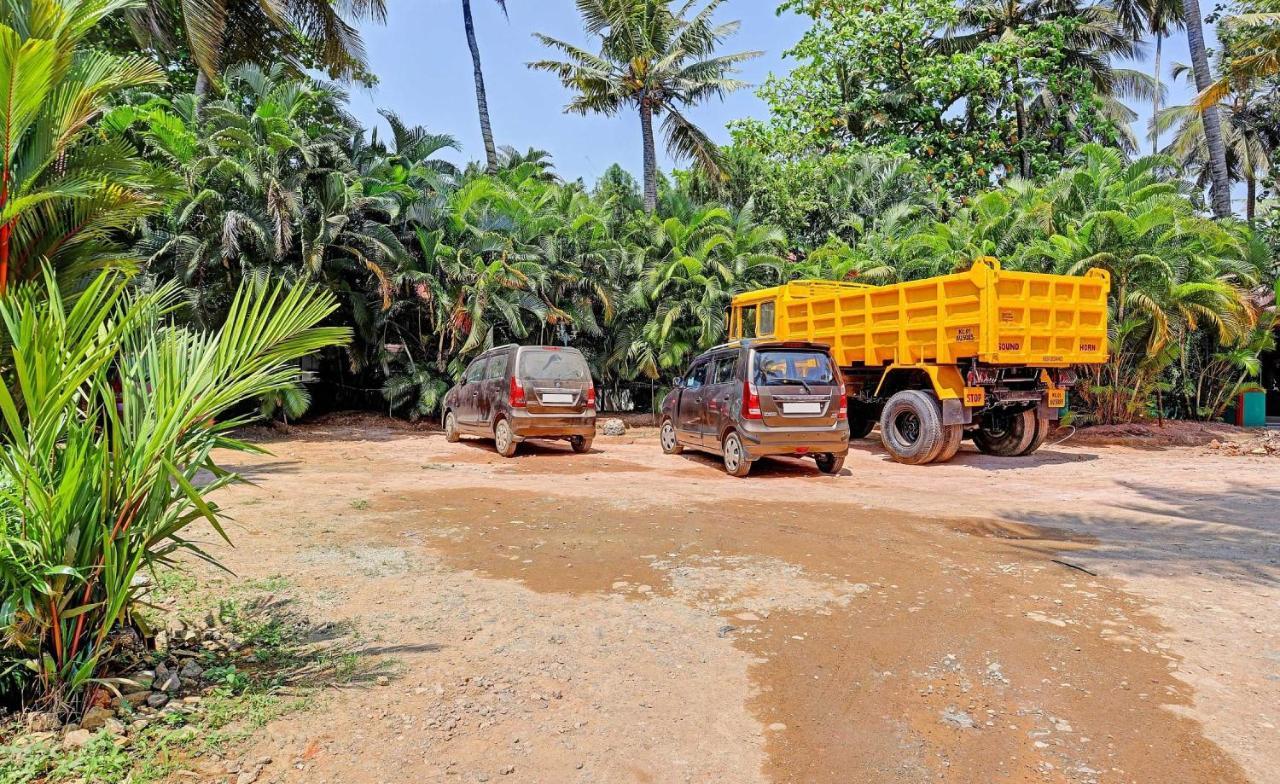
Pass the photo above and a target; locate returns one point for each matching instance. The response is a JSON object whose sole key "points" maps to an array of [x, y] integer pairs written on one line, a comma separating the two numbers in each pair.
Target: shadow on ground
{"points": [[1167, 531]]}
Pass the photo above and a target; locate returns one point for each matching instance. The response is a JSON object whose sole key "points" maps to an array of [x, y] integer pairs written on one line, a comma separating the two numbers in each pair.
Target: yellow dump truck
{"points": [[987, 354]]}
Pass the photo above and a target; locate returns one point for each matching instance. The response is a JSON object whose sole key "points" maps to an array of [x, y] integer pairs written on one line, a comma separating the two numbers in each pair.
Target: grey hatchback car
{"points": [[754, 398], [515, 393]]}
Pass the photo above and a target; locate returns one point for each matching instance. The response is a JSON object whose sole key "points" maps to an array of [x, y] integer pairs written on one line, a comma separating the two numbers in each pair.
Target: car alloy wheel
{"points": [[667, 438]]}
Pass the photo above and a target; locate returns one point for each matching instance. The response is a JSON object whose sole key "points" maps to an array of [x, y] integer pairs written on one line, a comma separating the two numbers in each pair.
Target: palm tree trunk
{"points": [[1155, 99], [1220, 185], [202, 86], [1251, 197], [650, 157], [1024, 157], [482, 100]]}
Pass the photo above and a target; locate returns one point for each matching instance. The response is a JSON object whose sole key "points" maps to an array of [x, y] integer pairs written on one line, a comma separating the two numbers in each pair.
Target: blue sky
{"points": [[421, 59]]}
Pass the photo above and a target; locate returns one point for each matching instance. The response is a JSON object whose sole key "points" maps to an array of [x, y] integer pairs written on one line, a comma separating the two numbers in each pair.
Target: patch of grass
{"points": [[281, 662], [173, 584], [360, 504], [272, 584]]}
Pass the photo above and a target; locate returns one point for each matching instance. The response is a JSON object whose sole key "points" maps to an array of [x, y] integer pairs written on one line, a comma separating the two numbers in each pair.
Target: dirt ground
{"points": [[1092, 614]]}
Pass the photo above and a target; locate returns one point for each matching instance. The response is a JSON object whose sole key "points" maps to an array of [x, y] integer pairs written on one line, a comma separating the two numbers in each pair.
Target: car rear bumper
{"points": [[525, 425], [763, 442]]}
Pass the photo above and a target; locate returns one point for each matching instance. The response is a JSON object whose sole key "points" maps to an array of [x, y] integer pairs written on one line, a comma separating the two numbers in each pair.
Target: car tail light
{"points": [[591, 396], [750, 402], [843, 412], [518, 399]]}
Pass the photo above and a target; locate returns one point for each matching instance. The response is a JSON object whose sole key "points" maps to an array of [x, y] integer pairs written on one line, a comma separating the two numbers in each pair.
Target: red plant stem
{"points": [[88, 589], [4, 244], [57, 631], [123, 521]]}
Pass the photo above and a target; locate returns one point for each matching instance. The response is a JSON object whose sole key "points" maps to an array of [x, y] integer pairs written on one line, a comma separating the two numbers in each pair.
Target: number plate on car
{"points": [[557, 397], [802, 408]]}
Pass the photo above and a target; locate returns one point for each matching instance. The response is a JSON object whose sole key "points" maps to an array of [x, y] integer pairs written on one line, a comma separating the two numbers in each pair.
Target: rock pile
{"points": [[176, 684], [1264, 445]]}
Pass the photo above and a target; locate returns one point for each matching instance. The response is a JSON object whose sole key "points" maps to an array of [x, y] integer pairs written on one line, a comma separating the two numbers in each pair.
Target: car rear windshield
{"points": [[778, 367], [548, 365]]}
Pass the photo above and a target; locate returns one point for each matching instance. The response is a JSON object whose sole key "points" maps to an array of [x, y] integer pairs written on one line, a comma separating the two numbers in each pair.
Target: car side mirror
{"points": [[679, 382]]}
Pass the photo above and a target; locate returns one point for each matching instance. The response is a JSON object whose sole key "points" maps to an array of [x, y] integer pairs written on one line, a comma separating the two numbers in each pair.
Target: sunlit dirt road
{"points": [[1092, 614]]}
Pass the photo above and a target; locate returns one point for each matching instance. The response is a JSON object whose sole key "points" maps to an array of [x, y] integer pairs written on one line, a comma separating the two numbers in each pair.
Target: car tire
{"points": [[829, 463], [1043, 426], [668, 440], [504, 440], [911, 427], [1006, 434], [451, 433], [735, 456], [952, 435], [580, 444]]}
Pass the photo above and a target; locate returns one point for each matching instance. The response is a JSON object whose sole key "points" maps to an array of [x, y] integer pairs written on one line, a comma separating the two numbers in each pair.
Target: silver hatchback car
{"points": [[755, 398]]}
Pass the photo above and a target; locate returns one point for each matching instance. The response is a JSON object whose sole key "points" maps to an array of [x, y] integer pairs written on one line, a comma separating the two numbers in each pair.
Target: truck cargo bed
{"points": [[987, 314]]}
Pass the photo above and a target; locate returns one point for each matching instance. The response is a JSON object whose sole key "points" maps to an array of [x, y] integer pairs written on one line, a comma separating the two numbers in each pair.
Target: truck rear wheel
{"points": [[1043, 425], [911, 427], [860, 427], [1006, 434], [862, 419], [952, 435]]}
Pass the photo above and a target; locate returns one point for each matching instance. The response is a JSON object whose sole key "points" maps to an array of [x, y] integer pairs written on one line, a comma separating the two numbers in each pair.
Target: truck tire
{"points": [[911, 427], [581, 444], [1043, 426], [451, 433], [862, 419], [952, 435], [860, 427], [1006, 434]]}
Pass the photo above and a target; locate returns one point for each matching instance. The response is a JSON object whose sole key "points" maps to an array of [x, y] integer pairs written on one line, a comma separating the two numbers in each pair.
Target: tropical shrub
{"points": [[110, 418], [66, 192]]}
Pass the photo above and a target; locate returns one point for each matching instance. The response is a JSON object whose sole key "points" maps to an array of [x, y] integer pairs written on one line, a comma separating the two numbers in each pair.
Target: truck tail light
{"points": [[518, 399], [591, 396], [750, 402], [843, 412]]}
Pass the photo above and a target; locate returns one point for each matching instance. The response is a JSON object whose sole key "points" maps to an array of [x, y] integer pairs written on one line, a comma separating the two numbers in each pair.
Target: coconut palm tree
{"points": [[1219, 178], [219, 33], [1157, 18], [1248, 145], [66, 192], [658, 62], [1258, 54], [482, 98]]}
